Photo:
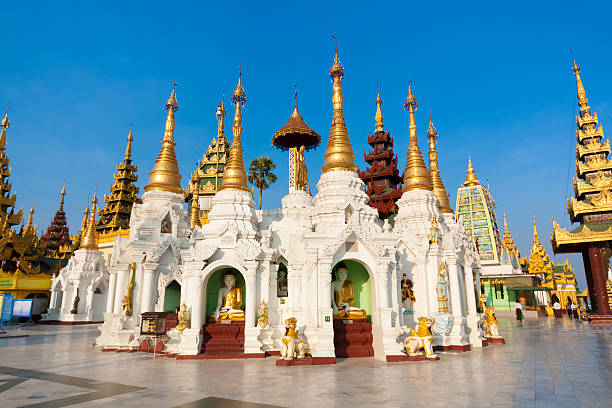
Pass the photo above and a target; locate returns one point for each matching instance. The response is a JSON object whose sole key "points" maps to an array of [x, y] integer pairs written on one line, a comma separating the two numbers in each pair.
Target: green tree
{"points": [[261, 175]]}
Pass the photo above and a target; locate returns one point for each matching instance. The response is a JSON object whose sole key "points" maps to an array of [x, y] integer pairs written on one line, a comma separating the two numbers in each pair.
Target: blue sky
{"points": [[497, 79]]}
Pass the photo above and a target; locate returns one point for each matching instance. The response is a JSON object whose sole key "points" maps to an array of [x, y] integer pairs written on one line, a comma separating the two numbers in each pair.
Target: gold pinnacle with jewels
{"points": [[165, 175], [434, 172], [234, 175], [416, 175], [339, 152]]}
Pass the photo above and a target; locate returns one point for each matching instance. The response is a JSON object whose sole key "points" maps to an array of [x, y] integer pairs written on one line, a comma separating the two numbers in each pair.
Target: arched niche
{"points": [[172, 297], [215, 282], [362, 284]]}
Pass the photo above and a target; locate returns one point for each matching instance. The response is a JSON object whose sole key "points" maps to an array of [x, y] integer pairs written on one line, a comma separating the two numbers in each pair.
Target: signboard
{"points": [[7, 283], [153, 323], [521, 282], [22, 308], [7, 307]]}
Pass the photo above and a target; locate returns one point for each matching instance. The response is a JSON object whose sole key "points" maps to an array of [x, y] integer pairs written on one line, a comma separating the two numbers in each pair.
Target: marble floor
{"points": [[544, 363]]}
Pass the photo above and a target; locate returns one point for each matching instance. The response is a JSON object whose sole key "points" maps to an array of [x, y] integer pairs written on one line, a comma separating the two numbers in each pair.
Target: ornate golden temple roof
{"points": [[165, 175], [539, 262], [434, 171], [416, 176], [339, 152], [296, 132], [234, 176]]}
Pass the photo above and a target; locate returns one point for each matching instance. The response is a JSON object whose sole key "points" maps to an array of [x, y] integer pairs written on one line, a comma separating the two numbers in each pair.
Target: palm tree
{"points": [[260, 174]]}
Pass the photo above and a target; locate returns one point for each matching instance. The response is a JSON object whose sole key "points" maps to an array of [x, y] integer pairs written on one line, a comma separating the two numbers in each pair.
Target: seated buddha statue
{"points": [[229, 301], [343, 294]]}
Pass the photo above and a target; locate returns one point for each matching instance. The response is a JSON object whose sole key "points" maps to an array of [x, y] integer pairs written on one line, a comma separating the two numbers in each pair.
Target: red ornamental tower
{"points": [[382, 179], [57, 234]]}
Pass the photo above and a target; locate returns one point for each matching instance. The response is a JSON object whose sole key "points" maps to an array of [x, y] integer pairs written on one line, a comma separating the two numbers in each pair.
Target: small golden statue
{"points": [[292, 346], [483, 302], [262, 315], [490, 323], [421, 339], [407, 293], [229, 301], [184, 318], [343, 293], [301, 172]]}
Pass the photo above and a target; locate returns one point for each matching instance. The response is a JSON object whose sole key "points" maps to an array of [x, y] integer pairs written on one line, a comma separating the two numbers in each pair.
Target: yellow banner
{"points": [[7, 283]]}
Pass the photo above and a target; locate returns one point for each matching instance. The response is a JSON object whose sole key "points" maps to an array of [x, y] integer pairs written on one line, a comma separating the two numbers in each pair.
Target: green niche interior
{"points": [[358, 274], [172, 297], [215, 282]]}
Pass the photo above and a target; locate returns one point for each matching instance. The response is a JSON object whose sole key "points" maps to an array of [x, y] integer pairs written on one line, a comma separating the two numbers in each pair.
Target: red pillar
{"points": [[589, 278], [598, 274]]}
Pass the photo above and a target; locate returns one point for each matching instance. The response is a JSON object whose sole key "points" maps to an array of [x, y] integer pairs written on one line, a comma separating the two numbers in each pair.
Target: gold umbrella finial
{"points": [[416, 175], [234, 175], [434, 171], [221, 119], [128, 148], [580, 92], [165, 175], [379, 116], [470, 178], [63, 193], [339, 152]]}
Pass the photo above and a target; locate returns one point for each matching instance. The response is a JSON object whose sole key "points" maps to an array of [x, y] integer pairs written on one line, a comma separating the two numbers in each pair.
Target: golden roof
{"points": [[234, 176], [434, 171], [416, 176], [592, 147], [296, 132], [339, 152], [539, 262], [90, 239], [508, 241], [561, 237], [471, 179], [165, 175]]}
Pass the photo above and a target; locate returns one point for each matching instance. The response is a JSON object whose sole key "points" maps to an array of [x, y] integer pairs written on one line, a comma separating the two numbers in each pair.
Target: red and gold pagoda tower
{"points": [[591, 206], [382, 179], [57, 235]]}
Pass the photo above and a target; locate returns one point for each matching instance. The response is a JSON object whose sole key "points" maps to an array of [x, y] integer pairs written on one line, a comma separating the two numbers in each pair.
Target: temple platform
{"points": [[225, 340], [600, 319], [353, 338], [495, 340]]}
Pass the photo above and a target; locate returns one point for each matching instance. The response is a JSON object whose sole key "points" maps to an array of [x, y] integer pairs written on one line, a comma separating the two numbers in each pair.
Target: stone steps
{"points": [[353, 339], [223, 339]]}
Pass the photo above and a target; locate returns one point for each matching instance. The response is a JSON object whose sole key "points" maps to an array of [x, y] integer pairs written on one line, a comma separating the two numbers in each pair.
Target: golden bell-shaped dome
{"points": [[296, 132], [470, 178], [234, 175], [416, 175], [165, 175], [339, 152]]}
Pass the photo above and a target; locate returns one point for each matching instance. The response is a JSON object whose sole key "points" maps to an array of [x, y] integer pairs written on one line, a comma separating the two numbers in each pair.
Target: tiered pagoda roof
{"points": [[509, 254], [591, 205], [57, 235], [115, 216], [539, 262], [208, 175], [382, 179], [21, 251]]}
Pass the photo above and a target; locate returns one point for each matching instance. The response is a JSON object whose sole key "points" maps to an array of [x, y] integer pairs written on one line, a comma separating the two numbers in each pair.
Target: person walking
{"points": [[518, 307], [557, 309], [575, 311]]}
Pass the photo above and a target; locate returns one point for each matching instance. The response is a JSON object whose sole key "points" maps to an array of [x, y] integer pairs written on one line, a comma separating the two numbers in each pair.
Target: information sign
{"points": [[7, 307], [22, 308]]}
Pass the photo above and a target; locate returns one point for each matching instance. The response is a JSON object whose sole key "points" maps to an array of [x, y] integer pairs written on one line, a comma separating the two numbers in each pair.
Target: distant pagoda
{"points": [[20, 252], [208, 176], [115, 216], [57, 235], [475, 204], [382, 179], [591, 206], [510, 255]]}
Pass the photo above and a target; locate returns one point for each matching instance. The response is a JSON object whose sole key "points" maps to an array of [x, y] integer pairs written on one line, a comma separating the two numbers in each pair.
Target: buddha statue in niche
{"points": [[229, 301], [343, 297]]}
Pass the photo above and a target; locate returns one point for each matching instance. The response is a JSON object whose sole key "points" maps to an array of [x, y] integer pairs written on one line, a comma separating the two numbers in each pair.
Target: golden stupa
{"points": [[416, 176]]}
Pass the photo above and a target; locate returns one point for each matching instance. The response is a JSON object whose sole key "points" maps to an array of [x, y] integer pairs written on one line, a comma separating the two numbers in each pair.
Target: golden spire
{"points": [[63, 193], [582, 99], [89, 240], [84, 222], [379, 116], [128, 148], [195, 210], [505, 225], [5, 125], [221, 120], [416, 176], [339, 152], [165, 175], [434, 171], [535, 232], [507, 240], [234, 175], [471, 179], [31, 217]]}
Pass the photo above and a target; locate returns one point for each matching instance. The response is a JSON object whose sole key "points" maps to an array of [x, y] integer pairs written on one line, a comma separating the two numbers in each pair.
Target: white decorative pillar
{"points": [[251, 298], [112, 283], [196, 302], [148, 287], [66, 305], [53, 299], [469, 290], [455, 291], [325, 299], [120, 287]]}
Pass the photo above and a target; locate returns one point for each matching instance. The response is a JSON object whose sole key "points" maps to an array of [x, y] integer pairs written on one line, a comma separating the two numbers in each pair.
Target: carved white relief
{"points": [[247, 249]]}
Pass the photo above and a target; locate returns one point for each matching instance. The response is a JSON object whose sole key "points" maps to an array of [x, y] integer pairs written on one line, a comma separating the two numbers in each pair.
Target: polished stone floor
{"points": [[544, 363]]}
